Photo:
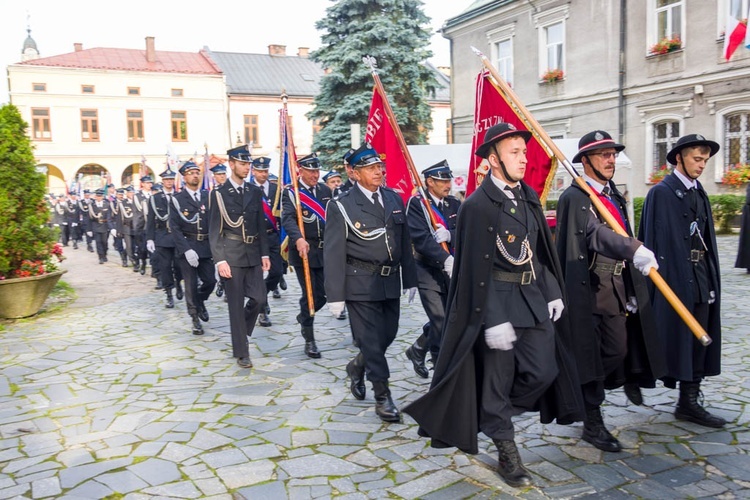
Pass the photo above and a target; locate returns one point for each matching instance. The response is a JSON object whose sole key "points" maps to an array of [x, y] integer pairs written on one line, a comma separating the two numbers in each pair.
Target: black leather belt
{"points": [[615, 268], [246, 239], [523, 278], [196, 236], [370, 267], [270, 231], [315, 243], [697, 255]]}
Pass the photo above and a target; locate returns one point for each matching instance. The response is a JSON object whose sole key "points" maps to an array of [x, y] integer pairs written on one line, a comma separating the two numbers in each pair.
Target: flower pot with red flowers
{"points": [[28, 249], [553, 76], [659, 173], [666, 45], [736, 175]]}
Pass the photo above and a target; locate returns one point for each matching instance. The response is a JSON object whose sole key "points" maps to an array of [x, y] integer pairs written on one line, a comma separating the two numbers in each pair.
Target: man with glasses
{"points": [[615, 342]]}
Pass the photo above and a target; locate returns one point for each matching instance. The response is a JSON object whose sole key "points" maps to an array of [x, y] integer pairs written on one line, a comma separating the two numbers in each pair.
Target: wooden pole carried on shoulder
{"points": [[542, 135]]}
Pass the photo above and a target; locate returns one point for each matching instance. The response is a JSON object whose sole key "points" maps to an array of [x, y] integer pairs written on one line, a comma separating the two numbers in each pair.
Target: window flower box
{"points": [[552, 76]]}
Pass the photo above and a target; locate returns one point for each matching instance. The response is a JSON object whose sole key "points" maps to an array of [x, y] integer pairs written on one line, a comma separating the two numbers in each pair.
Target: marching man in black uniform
{"points": [[260, 179], [333, 181], [314, 197], [609, 307], [368, 256], [434, 264], [500, 351], [84, 205], [189, 224], [140, 204], [239, 244], [102, 223], [74, 219], [119, 218], [159, 238], [219, 173]]}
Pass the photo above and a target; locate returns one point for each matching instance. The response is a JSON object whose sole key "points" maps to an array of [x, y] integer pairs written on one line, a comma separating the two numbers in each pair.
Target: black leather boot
{"points": [[384, 407], [691, 409], [124, 258], [203, 312], [509, 464], [416, 354], [158, 286], [143, 267], [136, 267], [89, 247], [596, 433], [170, 300], [282, 282], [311, 349], [263, 319], [356, 371], [197, 327], [633, 393], [179, 293], [220, 288]]}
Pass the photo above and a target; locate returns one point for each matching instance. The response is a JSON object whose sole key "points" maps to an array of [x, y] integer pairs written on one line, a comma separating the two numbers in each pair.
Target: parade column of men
{"points": [[102, 224]]}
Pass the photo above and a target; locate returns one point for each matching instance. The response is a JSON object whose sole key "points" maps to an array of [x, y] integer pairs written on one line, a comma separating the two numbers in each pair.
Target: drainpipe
{"points": [[621, 83]]}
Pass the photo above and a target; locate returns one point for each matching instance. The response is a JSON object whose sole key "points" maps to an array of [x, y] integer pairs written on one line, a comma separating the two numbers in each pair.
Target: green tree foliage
{"points": [[24, 234], [396, 33]]}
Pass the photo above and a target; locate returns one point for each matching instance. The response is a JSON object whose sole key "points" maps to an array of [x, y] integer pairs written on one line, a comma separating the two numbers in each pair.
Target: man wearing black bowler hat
{"points": [[239, 245], [434, 263], [677, 224], [615, 342], [500, 353]]}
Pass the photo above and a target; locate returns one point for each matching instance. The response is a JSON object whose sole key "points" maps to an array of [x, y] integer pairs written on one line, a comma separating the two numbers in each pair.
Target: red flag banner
{"points": [[490, 108], [383, 139]]}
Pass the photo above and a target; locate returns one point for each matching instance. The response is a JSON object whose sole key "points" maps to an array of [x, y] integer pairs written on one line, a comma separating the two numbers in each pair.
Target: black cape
{"points": [[743, 252], [448, 413]]}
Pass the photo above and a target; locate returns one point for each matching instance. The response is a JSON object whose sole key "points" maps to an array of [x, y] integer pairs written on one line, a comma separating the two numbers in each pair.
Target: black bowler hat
{"points": [[440, 171], [363, 156], [261, 163], [187, 166], [598, 139], [240, 153], [309, 162], [690, 141], [498, 133]]}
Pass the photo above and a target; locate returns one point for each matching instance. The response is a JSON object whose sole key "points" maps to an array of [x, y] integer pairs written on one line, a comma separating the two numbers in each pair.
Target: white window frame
{"points": [[719, 165], [723, 11], [497, 36], [650, 146], [652, 24], [543, 20]]}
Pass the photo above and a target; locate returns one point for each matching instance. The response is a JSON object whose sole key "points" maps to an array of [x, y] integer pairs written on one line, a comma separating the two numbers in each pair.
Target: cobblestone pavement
{"points": [[113, 397]]}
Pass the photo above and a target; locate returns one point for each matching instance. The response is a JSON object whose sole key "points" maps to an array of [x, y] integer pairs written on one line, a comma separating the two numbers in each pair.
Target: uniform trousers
{"points": [[434, 305], [101, 240], [374, 326], [245, 282], [64, 233], [118, 244], [130, 247], [75, 231], [277, 263], [513, 380], [611, 336], [169, 271], [317, 281], [196, 295]]}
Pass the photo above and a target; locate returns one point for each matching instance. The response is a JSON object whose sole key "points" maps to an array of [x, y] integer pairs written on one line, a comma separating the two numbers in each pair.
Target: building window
{"points": [[40, 124], [179, 126], [177, 93], [39, 87], [135, 125], [251, 129], [134, 91], [665, 21], [89, 125], [734, 9], [666, 134], [504, 64], [554, 46], [736, 138], [87, 89]]}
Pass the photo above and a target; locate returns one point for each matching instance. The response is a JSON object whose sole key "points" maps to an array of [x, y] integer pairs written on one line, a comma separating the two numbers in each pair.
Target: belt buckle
{"points": [[695, 255], [618, 269], [526, 278], [385, 271], [249, 239], [320, 244]]}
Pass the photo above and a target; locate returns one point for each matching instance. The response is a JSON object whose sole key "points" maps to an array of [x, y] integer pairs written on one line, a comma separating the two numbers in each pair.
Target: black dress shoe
{"points": [[264, 320], [633, 393], [276, 293], [179, 293], [203, 313], [282, 283], [220, 288], [342, 315], [197, 327], [170, 300], [385, 409], [245, 362], [356, 371], [101, 261], [416, 355]]}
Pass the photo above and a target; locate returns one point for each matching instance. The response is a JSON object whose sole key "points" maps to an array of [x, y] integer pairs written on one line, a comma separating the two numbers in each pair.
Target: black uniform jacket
{"points": [[665, 229], [579, 233], [345, 281], [158, 230], [102, 219], [226, 241], [189, 223], [743, 254], [314, 227], [448, 413]]}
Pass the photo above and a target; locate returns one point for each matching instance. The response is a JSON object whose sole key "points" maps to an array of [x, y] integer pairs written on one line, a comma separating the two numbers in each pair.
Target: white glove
{"points": [[113, 232], [336, 308], [150, 246], [644, 260], [412, 293], [555, 309], [89, 234], [711, 297], [632, 305], [442, 234], [74, 224], [500, 337], [192, 257], [448, 266]]}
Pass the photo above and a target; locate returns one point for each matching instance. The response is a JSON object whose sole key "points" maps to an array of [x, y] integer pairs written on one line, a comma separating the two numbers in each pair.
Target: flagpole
{"points": [[537, 129], [300, 222], [371, 62]]}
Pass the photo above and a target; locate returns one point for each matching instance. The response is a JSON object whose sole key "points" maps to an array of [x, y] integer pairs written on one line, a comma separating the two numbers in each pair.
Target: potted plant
{"points": [[553, 75], [659, 173], [28, 249], [736, 175], [665, 45]]}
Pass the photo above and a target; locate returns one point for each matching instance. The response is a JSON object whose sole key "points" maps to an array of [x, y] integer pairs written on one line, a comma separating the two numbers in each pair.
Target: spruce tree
{"points": [[396, 33]]}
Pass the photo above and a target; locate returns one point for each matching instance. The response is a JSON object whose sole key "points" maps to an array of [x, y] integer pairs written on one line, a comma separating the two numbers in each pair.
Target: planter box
{"points": [[23, 297]]}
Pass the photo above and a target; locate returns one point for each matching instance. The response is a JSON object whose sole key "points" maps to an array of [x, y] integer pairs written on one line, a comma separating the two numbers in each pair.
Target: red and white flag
{"points": [[490, 108], [383, 139], [734, 36]]}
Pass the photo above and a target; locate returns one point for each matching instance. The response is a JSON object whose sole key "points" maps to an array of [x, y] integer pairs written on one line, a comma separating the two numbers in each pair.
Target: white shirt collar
{"points": [[435, 199], [595, 184], [369, 193], [236, 186], [192, 193], [501, 186], [687, 181]]}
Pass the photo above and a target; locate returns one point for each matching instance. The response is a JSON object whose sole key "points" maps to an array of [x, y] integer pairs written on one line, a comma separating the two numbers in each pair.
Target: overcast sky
{"points": [[222, 25]]}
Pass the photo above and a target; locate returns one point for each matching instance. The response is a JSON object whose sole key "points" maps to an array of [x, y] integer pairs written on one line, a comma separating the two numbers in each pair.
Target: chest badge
{"points": [[357, 225], [185, 213], [512, 210], [511, 238]]}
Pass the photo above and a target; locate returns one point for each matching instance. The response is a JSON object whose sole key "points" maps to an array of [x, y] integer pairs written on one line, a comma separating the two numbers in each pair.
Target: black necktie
{"points": [[377, 204], [197, 199], [440, 206], [516, 193], [169, 198], [312, 191], [606, 191]]}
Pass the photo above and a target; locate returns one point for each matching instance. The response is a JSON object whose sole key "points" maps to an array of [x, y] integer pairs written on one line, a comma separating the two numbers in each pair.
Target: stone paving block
{"points": [[45, 487], [299, 452], [682, 451], [426, 484], [569, 490], [182, 489], [261, 451], [207, 440], [308, 438], [365, 458], [155, 471], [89, 489], [197, 471], [736, 467], [176, 452], [223, 458], [122, 482], [653, 464], [148, 449], [118, 451], [680, 476], [210, 486], [551, 472], [651, 489], [343, 485], [73, 476], [319, 465], [246, 474], [709, 449], [282, 437]]}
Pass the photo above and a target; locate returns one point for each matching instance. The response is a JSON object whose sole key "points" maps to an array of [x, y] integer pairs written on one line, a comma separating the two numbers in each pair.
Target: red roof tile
{"points": [[132, 60]]}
